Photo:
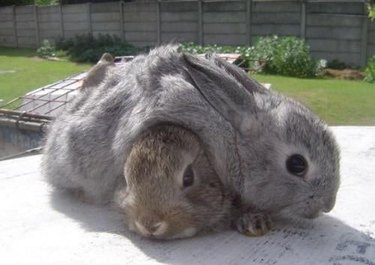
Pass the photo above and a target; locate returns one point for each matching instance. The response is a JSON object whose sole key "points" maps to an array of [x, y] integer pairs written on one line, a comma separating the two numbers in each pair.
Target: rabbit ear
{"points": [[249, 84], [224, 89]]}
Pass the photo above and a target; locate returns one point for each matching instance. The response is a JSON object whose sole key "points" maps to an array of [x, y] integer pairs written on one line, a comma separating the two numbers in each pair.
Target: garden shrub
{"points": [[288, 56], [87, 48], [370, 70], [48, 50]]}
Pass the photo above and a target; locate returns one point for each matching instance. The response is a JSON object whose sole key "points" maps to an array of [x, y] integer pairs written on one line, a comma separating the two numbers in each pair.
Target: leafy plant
{"points": [[46, 2], [87, 48], [275, 55], [371, 10], [289, 56], [48, 50], [16, 2], [370, 70]]}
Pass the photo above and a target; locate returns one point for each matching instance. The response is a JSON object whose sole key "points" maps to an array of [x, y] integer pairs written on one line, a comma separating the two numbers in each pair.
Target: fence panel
{"points": [[334, 30], [7, 27], [140, 23], [76, 19], [224, 23], [179, 22], [49, 22]]}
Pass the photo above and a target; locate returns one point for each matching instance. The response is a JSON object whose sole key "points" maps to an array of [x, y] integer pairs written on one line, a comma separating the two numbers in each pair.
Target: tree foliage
{"points": [[371, 10], [16, 2], [28, 2]]}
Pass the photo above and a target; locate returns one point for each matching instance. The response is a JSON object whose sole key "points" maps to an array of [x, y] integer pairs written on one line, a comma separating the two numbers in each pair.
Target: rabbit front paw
{"points": [[253, 224]]}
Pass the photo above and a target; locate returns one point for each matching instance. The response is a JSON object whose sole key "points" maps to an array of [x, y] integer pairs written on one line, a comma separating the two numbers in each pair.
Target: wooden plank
{"points": [[158, 22], [342, 33], [283, 30], [233, 17], [249, 18], [141, 17], [303, 20], [219, 28], [36, 23], [75, 9], [107, 7], [275, 7], [225, 39], [333, 45], [178, 37], [141, 36], [104, 17], [178, 7], [224, 6], [139, 27], [200, 22], [277, 18], [110, 26], [179, 27], [182, 16], [121, 20], [333, 20], [75, 17], [15, 25], [364, 38], [137, 7]]}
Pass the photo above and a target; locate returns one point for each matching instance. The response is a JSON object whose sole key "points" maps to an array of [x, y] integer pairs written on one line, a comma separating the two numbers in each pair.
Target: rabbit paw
{"points": [[253, 224]]}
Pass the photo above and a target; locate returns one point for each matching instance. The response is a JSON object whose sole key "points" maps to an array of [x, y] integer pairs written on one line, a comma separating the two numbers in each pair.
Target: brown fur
{"points": [[154, 171], [98, 72]]}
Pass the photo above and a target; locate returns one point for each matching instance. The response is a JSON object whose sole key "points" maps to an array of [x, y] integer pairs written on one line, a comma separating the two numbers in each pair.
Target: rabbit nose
{"points": [[152, 229], [328, 205]]}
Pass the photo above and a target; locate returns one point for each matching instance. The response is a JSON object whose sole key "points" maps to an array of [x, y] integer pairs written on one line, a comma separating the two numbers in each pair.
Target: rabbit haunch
{"points": [[274, 152]]}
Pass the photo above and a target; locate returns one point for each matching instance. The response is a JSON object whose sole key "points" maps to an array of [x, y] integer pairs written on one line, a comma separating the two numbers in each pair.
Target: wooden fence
{"points": [[334, 30]]}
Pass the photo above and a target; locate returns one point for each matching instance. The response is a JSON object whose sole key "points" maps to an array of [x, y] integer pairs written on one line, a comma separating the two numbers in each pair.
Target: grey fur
{"points": [[248, 132]]}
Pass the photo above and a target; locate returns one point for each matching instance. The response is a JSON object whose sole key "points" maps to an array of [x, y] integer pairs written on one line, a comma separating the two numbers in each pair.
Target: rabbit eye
{"points": [[188, 178], [296, 165]]}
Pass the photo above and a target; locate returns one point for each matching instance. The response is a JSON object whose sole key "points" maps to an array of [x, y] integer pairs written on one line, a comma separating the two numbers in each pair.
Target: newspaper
{"points": [[42, 226]]}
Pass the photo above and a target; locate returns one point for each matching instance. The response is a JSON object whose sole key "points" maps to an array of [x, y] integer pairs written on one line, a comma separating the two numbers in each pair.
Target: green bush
{"points": [[370, 70], [288, 56], [48, 50], [87, 48], [16, 2]]}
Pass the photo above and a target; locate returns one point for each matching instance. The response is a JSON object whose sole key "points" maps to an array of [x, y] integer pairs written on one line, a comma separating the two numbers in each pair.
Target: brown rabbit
{"points": [[172, 190]]}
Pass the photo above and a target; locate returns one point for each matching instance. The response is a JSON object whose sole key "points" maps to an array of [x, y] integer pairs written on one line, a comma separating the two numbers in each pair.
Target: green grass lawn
{"points": [[21, 71], [337, 102]]}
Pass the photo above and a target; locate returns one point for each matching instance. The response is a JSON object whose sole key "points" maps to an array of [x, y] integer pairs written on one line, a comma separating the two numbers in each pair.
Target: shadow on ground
{"points": [[326, 240]]}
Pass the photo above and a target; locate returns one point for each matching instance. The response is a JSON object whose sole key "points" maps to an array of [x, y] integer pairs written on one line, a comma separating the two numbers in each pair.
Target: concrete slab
{"points": [[39, 226]]}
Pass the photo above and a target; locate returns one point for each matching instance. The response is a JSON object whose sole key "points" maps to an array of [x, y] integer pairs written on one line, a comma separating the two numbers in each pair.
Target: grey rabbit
{"points": [[273, 152]]}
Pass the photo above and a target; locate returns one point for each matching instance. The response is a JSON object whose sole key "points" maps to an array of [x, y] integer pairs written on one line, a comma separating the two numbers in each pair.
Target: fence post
{"points": [[200, 22], [249, 5], [61, 21], [14, 18], [89, 16], [364, 37], [36, 19], [122, 21], [158, 22], [303, 20]]}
